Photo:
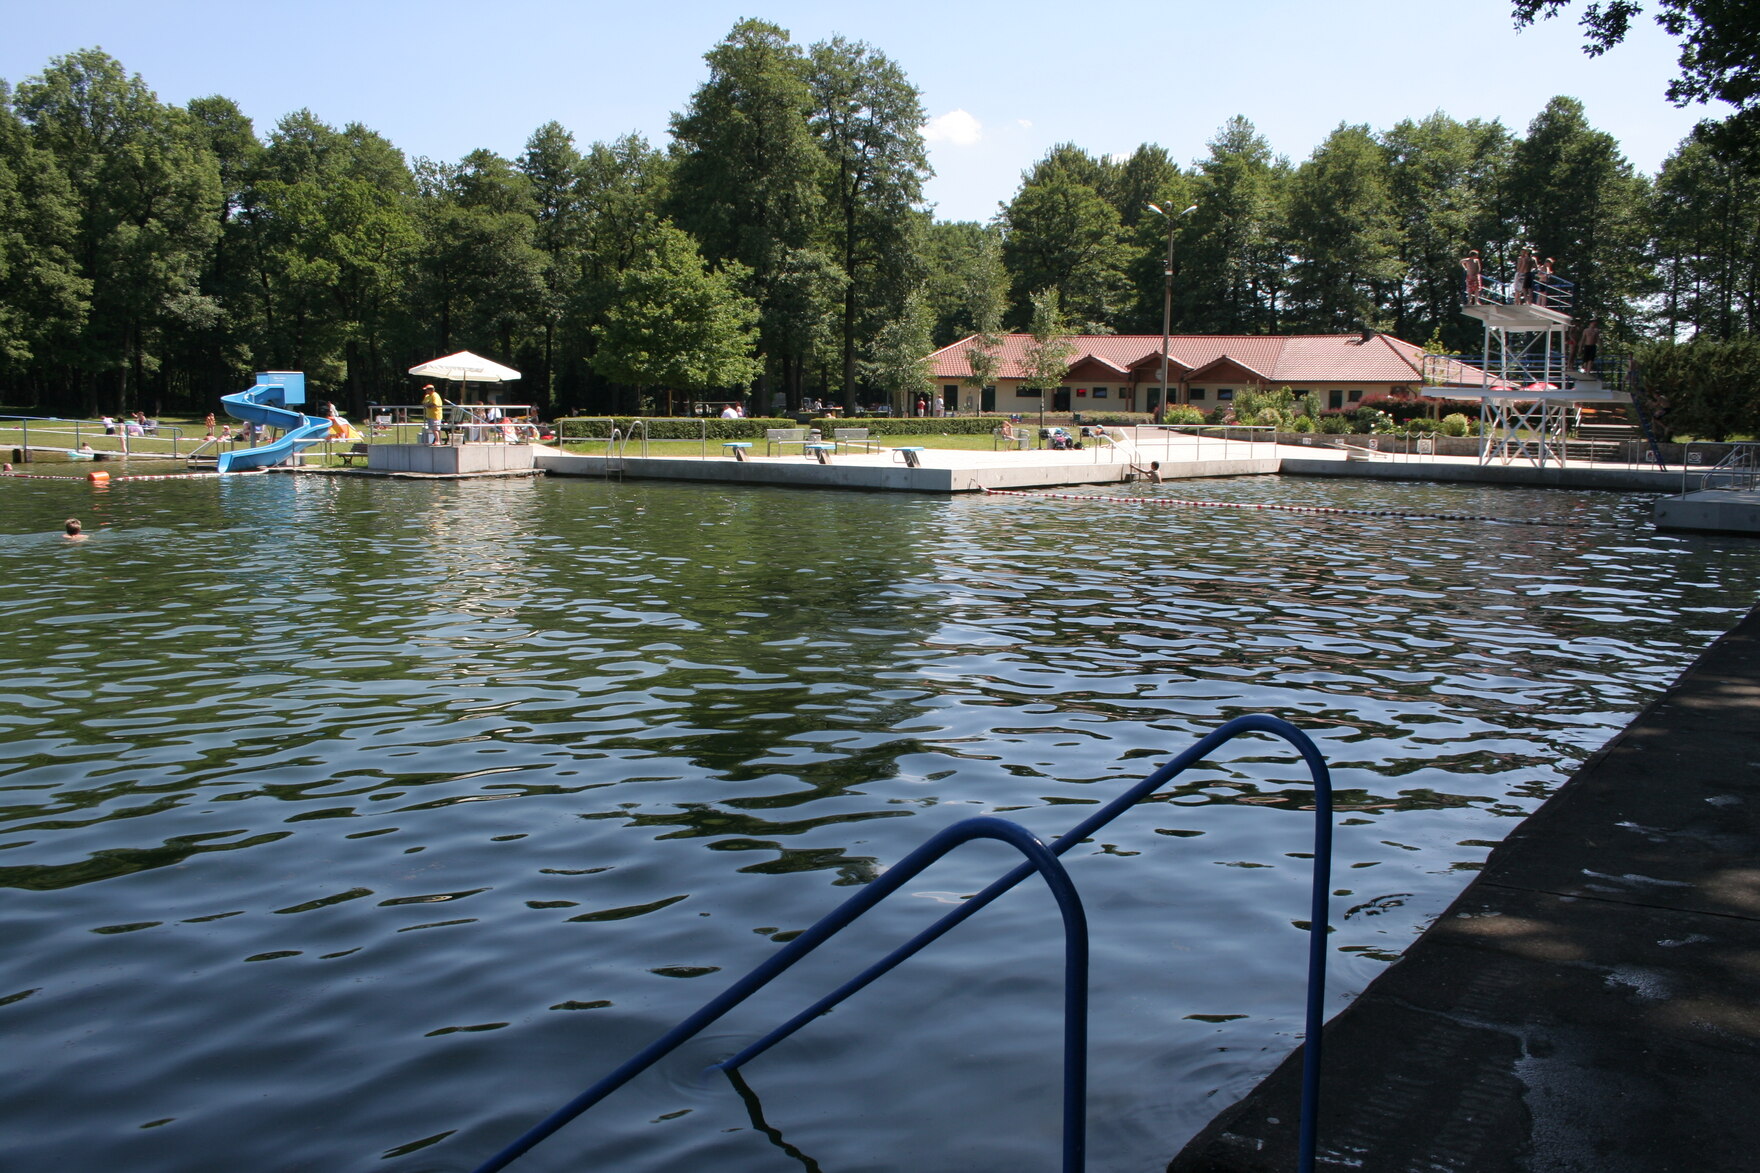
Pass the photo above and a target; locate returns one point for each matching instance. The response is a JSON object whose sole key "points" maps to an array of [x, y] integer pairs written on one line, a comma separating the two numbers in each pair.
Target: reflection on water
{"points": [[351, 822]]}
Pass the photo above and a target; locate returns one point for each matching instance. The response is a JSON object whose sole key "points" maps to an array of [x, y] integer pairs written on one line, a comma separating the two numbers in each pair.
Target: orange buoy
{"points": [[98, 478]]}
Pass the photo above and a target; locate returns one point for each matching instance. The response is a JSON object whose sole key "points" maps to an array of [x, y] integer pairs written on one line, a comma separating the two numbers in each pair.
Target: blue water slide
{"points": [[266, 405]]}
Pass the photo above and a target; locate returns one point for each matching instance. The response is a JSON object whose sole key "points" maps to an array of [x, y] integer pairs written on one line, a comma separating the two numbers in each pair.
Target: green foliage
{"points": [[1063, 236], [867, 118], [1271, 407], [1454, 424], [1182, 414], [1047, 358], [1335, 424], [1372, 421], [1343, 233], [1705, 388], [898, 362], [1302, 423], [674, 322]]}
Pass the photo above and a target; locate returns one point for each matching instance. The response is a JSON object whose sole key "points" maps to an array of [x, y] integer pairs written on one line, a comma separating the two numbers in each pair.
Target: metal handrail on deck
{"points": [[1738, 470], [1047, 866]]}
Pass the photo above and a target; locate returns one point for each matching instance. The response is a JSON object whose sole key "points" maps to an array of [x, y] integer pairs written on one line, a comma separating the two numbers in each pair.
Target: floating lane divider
{"points": [[1278, 508], [104, 478]]}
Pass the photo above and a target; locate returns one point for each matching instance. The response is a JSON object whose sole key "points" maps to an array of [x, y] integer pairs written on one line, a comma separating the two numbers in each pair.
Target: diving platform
{"points": [[1519, 316]]}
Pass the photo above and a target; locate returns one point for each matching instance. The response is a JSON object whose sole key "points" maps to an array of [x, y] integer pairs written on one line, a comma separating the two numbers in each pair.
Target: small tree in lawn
{"points": [[675, 322], [898, 362], [1047, 359], [982, 357]]}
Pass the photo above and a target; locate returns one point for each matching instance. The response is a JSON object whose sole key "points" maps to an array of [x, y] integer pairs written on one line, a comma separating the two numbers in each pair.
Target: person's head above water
{"points": [[73, 528]]}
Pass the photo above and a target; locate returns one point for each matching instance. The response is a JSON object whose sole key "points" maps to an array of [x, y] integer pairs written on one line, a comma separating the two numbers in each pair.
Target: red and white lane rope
{"points": [[1326, 509], [157, 476]]}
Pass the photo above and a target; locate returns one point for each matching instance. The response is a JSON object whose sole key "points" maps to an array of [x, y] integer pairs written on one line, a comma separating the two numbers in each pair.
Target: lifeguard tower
{"points": [[1526, 382]]}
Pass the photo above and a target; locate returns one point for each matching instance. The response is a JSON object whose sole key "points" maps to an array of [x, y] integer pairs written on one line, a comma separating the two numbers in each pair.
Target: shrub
{"points": [[1371, 421], [1335, 423], [1455, 424], [1183, 414], [1302, 423]]}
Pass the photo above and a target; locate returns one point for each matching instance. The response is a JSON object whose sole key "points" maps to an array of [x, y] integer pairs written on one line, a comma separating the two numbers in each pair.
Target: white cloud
{"points": [[1026, 123], [955, 127]]}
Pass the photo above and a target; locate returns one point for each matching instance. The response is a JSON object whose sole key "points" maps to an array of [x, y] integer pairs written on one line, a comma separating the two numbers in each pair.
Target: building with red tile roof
{"points": [[1122, 372]]}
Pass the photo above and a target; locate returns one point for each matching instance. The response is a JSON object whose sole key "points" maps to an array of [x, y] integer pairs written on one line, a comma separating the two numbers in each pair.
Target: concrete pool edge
{"points": [[1581, 1004]]}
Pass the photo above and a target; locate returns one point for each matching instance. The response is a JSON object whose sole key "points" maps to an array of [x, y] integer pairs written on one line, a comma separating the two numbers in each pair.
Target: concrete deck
{"points": [[1720, 511], [943, 470], [1591, 1002]]}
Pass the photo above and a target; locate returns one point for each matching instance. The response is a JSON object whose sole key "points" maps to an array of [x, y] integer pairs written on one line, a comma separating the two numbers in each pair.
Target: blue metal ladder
{"points": [[1041, 859]]}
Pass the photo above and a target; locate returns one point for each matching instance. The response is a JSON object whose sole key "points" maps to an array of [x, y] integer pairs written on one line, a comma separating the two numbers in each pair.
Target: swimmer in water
{"points": [[73, 530]]}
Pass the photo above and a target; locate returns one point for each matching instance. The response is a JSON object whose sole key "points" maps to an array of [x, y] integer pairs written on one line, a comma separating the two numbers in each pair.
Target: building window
{"points": [[1335, 399], [1224, 394], [1099, 393], [1027, 393], [1357, 395], [1196, 394], [950, 388]]}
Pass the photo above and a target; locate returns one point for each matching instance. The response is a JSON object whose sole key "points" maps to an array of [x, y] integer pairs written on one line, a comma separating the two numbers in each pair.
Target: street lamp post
{"points": [[1167, 294]]}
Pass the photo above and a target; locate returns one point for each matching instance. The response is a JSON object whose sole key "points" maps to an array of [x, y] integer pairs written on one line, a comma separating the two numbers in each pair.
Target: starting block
{"points": [[737, 447]]}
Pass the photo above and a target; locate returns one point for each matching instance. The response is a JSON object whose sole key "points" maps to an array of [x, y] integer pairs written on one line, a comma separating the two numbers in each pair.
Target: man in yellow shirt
{"points": [[432, 407]]}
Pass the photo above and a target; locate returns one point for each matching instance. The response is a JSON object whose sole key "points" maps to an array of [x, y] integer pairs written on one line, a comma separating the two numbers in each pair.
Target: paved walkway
{"points": [[1592, 1001]]}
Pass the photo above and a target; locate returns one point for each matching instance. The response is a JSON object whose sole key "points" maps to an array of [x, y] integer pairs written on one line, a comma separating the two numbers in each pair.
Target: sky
{"points": [[1001, 82]]}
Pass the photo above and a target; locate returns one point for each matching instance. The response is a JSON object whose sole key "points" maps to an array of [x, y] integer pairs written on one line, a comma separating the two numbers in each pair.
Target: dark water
{"points": [[356, 824]]}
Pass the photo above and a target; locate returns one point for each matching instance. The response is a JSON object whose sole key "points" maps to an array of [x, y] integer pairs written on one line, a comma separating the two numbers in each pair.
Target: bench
{"points": [[736, 447], [361, 451], [1020, 439], [780, 438], [820, 450], [849, 437]]}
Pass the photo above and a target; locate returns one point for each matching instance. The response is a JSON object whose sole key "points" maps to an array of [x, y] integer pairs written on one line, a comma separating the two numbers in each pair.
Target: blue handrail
{"points": [[1317, 918], [1075, 983], [1043, 860]]}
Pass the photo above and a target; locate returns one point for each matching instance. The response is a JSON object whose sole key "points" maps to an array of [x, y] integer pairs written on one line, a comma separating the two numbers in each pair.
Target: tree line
{"points": [[154, 255]]}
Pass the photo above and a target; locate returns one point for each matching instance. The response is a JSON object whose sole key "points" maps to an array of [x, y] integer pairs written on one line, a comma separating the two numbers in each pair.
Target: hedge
{"points": [[691, 427]]}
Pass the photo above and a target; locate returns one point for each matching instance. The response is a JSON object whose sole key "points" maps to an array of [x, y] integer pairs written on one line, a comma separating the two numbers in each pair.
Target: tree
{"points": [[1232, 267], [621, 191], [868, 120], [676, 322], [1047, 358], [554, 168], [1720, 52], [966, 283], [1705, 219], [1576, 198], [1060, 234], [145, 190], [748, 171], [485, 274], [337, 237], [43, 299], [1444, 178], [1344, 237], [898, 360]]}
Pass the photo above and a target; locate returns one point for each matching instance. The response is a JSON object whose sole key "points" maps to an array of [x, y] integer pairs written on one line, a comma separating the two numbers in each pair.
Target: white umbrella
{"points": [[465, 367]]}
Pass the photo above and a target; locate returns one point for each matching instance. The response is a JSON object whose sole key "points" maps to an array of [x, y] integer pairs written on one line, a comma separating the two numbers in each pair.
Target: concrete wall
{"points": [[447, 460]]}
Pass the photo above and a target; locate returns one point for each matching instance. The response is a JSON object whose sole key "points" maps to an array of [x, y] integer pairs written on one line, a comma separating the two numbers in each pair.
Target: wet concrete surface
{"points": [[1591, 1001]]}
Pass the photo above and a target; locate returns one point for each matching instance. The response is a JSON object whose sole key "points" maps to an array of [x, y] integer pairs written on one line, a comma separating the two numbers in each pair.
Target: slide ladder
{"points": [[267, 405]]}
